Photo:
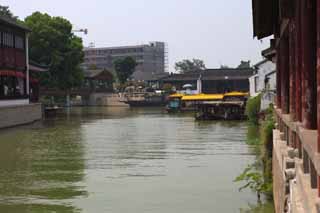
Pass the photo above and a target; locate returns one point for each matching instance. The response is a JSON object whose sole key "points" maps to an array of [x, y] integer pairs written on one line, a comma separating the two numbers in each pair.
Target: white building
{"points": [[264, 81]]}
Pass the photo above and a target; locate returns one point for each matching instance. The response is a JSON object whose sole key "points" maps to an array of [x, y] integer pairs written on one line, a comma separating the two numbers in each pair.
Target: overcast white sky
{"points": [[218, 32]]}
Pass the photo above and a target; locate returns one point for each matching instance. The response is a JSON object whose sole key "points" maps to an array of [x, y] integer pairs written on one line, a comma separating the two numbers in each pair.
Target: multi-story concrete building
{"points": [[151, 58]]}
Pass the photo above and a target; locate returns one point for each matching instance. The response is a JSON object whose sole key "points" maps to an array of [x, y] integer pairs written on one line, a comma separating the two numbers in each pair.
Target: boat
{"points": [[231, 107], [51, 111], [145, 99], [184, 103], [174, 103]]}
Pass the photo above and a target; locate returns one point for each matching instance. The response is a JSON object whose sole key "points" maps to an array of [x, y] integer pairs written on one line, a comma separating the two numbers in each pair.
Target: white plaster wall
{"points": [[264, 69], [253, 93]]}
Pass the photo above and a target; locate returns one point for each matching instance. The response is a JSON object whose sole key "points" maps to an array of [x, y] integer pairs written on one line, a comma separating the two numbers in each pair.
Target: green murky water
{"points": [[120, 160]]}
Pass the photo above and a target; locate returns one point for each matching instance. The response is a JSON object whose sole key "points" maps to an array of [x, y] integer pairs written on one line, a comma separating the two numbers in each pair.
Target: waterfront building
{"points": [[15, 80], [151, 58], [296, 141], [220, 80], [264, 82]]}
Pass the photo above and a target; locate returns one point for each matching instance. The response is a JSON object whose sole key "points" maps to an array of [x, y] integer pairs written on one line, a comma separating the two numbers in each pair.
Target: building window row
{"points": [[11, 41], [114, 51]]}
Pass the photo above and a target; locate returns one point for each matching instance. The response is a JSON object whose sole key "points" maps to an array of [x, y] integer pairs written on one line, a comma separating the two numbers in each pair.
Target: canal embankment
{"points": [[258, 176], [15, 115]]}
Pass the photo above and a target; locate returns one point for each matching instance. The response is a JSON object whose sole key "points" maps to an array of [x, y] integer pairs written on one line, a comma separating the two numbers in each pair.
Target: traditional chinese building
{"points": [[15, 80], [296, 145], [220, 80]]}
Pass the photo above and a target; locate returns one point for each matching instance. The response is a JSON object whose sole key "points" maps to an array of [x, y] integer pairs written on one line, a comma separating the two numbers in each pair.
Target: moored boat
{"points": [[145, 99], [231, 107]]}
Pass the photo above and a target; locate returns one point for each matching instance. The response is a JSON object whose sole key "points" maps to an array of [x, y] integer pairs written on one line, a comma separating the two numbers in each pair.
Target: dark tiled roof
{"points": [[212, 74], [98, 73], [148, 76], [269, 53], [13, 23]]}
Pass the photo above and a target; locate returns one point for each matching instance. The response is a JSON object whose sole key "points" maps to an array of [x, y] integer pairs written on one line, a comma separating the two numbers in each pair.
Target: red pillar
{"points": [[278, 77], [309, 43], [318, 186], [292, 76], [318, 75], [284, 66], [298, 60]]}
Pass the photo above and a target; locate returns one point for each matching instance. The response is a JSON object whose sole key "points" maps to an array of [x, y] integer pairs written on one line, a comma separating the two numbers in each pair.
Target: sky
{"points": [[218, 32]]}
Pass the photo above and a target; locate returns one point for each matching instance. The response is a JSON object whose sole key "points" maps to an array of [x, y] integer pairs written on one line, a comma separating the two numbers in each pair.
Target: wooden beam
{"points": [[318, 77], [309, 43], [284, 66], [298, 61], [292, 66]]}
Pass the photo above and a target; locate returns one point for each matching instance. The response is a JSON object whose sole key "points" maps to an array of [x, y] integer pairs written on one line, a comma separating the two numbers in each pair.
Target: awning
{"points": [[202, 97], [17, 75]]}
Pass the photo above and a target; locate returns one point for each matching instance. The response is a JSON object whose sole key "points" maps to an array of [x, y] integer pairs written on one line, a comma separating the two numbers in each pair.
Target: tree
{"points": [[187, 65], [244, 64], [53, 43], [124, 68], [5, 12], [223, 66]]}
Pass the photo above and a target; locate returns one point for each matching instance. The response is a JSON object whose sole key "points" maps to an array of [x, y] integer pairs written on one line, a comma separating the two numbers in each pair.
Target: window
{"points": [[8, 40], [19, 44], [256, 82]]}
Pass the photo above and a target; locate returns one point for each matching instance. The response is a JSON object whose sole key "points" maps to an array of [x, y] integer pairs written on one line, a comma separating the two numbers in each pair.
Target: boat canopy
{"points": [[202, 97], [236, 94], [176, 95]]}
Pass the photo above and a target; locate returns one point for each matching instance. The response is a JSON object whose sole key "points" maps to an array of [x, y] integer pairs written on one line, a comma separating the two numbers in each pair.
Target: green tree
{"points": [[124, 68], [5, 12], [244, 64], [187, 65], [53, 43], [223, 66]]}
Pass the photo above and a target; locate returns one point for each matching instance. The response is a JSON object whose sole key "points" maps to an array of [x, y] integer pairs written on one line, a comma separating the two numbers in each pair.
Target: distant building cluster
{"points": [[151, 58]]}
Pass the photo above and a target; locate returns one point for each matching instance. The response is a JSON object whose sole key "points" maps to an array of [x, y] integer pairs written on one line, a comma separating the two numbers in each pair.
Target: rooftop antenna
{"points": [[80, 30]]}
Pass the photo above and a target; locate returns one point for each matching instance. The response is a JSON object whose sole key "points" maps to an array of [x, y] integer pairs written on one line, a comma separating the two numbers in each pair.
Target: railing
{"points": [[305, 142], [80, 91], [12, 58]]}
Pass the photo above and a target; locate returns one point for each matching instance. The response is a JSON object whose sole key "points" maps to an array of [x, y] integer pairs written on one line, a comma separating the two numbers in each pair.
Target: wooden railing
{"points": [[12, 58], [305, 141]]}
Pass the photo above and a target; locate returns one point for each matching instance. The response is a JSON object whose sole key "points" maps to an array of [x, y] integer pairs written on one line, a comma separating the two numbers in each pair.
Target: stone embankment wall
{"points": [[103, 99], [21, 114]]}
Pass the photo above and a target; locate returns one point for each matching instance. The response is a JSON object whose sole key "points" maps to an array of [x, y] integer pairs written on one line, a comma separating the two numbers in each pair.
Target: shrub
{"points": [[253, 109]]}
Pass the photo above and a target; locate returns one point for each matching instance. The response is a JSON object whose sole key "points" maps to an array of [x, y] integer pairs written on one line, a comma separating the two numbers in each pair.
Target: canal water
{"points": [[123, 160]]}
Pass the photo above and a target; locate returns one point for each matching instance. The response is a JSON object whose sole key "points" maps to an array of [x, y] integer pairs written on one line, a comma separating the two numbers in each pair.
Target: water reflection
{"points": [[38, 168], [123, 160]]}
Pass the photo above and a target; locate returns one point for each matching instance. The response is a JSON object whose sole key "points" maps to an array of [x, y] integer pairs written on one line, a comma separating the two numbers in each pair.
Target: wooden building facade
{"points": [[295, 25], [14, 69], [213, 80]]}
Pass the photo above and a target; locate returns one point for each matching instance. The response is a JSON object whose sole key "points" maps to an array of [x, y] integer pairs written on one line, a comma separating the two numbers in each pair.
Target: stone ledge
{"points": [[308, 138], [18, 115], [309, 198]]}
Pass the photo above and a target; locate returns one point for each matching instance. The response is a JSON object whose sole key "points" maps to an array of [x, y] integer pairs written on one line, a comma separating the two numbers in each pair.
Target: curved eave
{"points": [[265, 16]]}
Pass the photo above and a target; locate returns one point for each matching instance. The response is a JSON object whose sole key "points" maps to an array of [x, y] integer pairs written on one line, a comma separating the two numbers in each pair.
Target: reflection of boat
{"points": [[51, 111], [142, 99]]}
